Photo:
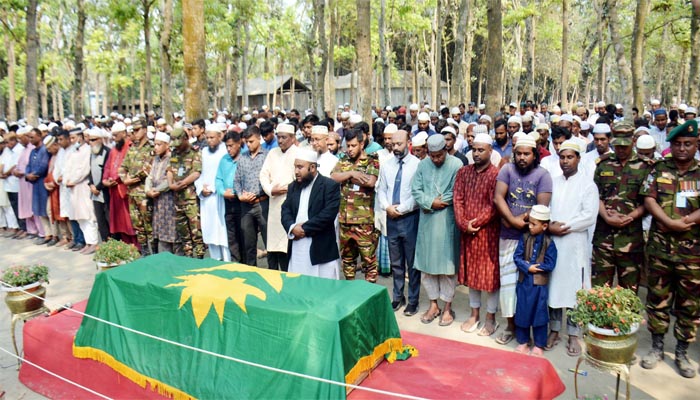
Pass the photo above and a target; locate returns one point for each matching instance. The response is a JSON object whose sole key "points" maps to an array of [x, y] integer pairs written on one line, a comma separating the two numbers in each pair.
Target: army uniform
{"points": [[674, 257], [137, 164], [619, 249], [187, 223], [356, 218]]}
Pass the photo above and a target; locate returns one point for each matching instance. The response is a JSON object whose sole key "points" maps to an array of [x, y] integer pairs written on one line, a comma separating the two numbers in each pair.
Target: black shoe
{"points": [[52, 242], [41, 241], [398, 304], [685, 368], [410, 310], [78, 247], [70, 246]]}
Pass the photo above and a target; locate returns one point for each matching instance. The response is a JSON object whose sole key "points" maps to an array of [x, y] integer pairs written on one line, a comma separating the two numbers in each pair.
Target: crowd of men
{"points": [[440, 197]]}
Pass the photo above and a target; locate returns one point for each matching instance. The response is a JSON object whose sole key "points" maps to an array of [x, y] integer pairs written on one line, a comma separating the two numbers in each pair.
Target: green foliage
{"points": [[609, 308], [116, 251], [22, 275]]}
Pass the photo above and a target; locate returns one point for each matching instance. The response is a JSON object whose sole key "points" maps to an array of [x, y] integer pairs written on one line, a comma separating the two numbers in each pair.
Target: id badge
{"points": [[180, 171], [681, 200], [355, 188]]}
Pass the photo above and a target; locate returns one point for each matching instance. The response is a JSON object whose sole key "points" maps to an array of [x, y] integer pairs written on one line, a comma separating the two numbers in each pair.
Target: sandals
{"points": [[485, 331], [470, 328], [442, 321], [552, 341], [505, 338], [426, 318], [573, 348]]}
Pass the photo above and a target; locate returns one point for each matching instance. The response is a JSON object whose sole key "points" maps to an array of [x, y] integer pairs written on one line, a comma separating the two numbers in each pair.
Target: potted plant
{"points": [[611, 317], [27, 282], [113, 253]]}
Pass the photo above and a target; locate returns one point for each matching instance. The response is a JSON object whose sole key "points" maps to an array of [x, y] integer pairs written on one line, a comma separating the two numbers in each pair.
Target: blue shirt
{"points": [[270, 146], [506, 151], [225, 174]]}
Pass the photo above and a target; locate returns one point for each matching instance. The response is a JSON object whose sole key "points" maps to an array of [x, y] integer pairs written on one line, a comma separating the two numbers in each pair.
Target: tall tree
{"points": [[195, 61], [611, 8], [386, 81], [458, 79], [637, 55], [147, 4], [364, 59], [11, 65], [494, 63], [436, 67], [694, 73], [31, 102], [165, 68], [321, 50], [564, 54], [78, 104]]}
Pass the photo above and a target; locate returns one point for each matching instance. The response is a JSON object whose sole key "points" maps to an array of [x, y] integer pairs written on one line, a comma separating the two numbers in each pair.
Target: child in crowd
{"points": [[535, 257]]}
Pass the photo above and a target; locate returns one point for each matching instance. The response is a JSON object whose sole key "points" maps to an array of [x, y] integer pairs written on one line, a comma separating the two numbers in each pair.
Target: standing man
{"points": [[671, 192], [476, 217], [658, 129], [275, 176], [601, 142], [25, 187], [618, 241], [185, 167], [133, 172], [254, 201], [37, 168], [224, 186], [471, 115], [11, 182], [573, 212], [119, 217], [319, 141], [157, 188], [395, 198], [521, 185], [99, 193], [357, 175], [308, 215], [211, 204], [437, 243]]}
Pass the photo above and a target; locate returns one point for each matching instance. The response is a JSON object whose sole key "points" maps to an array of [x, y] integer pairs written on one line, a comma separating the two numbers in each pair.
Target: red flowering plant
{"points": [[615, 308], [22, 275]]}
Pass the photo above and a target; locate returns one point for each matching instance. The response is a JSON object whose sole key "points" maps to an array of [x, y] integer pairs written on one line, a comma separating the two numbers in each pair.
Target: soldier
{"points": [[133, 172], [671, 192], [185, 168], [357, 174], [618, 241]]}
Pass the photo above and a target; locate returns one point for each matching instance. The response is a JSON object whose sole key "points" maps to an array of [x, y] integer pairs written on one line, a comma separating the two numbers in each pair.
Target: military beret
{"points": [[688, 129]]}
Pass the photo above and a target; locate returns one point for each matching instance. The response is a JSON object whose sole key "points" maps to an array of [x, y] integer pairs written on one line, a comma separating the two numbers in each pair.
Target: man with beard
{"points": [[158, 190], [7, 214], [423, 125], [521, 184], [618, 241], [11, 182], [471, 115], [319, 142], [211, 204], [99, 193], [412, 117], [658, 130], [334, 144], [504, 146], [478, 223], [57, 224], [25, 187], [275, 176], [573, 214], [37, 168], [671, 192], [357, 175], [395, 198], [75, 236], [119, 218], [224, 184], [437, 245], [133, 172], [308, 215]]}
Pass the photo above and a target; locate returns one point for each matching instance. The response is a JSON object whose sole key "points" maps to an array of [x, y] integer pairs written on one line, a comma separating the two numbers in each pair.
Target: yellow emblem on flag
{"points": [[206, 289]]}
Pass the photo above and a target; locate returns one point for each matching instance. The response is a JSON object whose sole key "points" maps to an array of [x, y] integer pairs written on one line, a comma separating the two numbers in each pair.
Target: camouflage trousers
{"points": [[141, 212], [677, 285], [607, 262], [359, 239], [189, 228]]}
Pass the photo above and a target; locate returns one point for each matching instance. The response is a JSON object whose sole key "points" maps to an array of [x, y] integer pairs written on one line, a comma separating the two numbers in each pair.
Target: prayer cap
{"points": [[480, 129], [118, 127], [436, 143], [419, 139], [542, 126], [390, 128], [355, 118], [305, 154], [162, 137], [691, 110], [423, 117], [482, 106], [525, 141], [660, 111], [601, 128], [319, 130], [570, 145], [454, 110], [646, 142], [567, 117], [483, 138], [539, 212], [49, 140], [286, 128], [413, 107]]}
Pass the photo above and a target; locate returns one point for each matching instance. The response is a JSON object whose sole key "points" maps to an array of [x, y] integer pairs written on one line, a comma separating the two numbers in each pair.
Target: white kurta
{"points": [[589, 162], [575, 203], [326, 163], [300, 261], [75, 171], [63, 191], [212, 208], [277, 169], [379, 212]]}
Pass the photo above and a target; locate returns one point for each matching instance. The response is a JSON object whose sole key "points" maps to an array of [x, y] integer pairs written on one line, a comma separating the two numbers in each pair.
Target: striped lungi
{"points": [[509, 276]]}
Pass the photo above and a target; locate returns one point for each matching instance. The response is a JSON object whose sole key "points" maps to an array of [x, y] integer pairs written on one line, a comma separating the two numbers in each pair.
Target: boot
{"points": [[656, 353], [684, 367]]}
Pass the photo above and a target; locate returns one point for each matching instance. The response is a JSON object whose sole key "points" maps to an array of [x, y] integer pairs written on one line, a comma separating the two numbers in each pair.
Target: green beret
{"points": [[689, 129]]}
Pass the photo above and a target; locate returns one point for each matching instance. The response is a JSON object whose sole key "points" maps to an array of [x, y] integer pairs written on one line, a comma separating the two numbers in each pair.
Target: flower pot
{"points": [[103, 266], [20, 302], [608, 346]]}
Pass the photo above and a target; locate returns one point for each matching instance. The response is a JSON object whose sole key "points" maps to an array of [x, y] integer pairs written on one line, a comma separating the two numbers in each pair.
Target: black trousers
{"points": [[233, 229], [13, 196], [102, 216], [253, 220]]}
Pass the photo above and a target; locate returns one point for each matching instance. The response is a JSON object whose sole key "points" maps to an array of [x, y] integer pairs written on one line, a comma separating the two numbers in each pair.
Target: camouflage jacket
{"points": [[357, 202], [670, 189], [181, 166], [137, 164], [618, 188]]}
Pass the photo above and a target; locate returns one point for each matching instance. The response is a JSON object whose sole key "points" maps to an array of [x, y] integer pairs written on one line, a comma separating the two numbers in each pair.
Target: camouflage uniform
{"points": [[356, 218], [137, 164], [187, 223], [674, 257], [622, 249]]}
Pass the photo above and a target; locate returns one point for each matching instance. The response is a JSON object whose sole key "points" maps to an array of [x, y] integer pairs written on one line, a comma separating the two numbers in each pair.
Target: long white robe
{"points": [[277, 169], [589, 162], [379, 212], [300, 261], [212, 208], [63, 191], [575, 203], [75, 171]]}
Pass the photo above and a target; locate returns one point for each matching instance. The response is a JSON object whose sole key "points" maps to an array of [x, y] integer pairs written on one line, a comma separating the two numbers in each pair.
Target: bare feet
{"points": [[522, 348], [490, 327], [537, 351], [470, 325]]}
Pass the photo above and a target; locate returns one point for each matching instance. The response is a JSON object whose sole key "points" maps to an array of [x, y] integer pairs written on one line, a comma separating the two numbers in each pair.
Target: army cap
{"points": [[176, 136], [622, 133], [689, 129], [138, 123]]}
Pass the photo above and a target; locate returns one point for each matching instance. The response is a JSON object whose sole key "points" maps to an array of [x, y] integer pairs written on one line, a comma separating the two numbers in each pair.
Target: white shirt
{"points": [[387, 178], [212, 207], [326, 163], [8, 160]]}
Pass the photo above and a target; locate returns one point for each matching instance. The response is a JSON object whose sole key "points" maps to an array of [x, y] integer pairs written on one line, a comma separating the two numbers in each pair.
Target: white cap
{"points": [[391, 128], [534, 135], [601, 128], [567, 117], [655, 102], [485, 118], [463, 125], [448, 129], [516, 120], [519, 134], [691, 110], [286, 128], [585, 126], [513, 105], [570, 145], [526, 141], [96, 133], [319, 130], [216, 127], [423, 117], [43, 127], [414, 107], [542, 126], [344, 115], [482, 106], [643, 129], [355, 118], [161, 121], [49, 140], [118, 127], [307, 154], [162, 137], [479, 129], [600, 104], [483, 138], [454, 110], [3, 126], [539, 212], [82, 127], [645, 142], [682, 107], [220, 119], [24, 130], [243, 125], [419, 139], [618, 105], [246, 117], [245, 109], [526, 118]]}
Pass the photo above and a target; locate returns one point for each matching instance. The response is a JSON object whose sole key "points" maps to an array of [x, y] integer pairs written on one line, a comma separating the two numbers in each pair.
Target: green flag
{"points": [[320, 327]]}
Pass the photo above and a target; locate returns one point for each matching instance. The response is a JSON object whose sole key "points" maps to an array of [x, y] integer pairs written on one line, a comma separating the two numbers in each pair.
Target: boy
{"points": [[535, 257]]}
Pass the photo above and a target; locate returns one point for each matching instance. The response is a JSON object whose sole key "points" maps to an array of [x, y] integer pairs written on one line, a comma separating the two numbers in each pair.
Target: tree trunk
{"points": [[468, 46], [330, 74], [436, 68], [195, 64], [517, 68], [661, 62], [166, 97], [78, 103], [383, 57], [602, 50], [31, 104], [106, 107], [244, 65], [564, 54], [458, 78], [416, 78], [12, 89], [694, 73], [494, 82], [530, 24], [683, 76], [637, 56], [364, 59], [233, 100], [320, 44], [622, 66], [147, 49], [44, 95], [586, 69], [54, 101]]}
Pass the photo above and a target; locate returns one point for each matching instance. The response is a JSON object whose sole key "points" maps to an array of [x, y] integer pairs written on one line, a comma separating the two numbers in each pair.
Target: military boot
{"points": [[684, 367], [656, 353]]}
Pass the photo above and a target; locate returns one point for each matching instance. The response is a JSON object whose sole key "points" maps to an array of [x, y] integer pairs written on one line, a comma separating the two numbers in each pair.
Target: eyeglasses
{"points": [[93, 140]]}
